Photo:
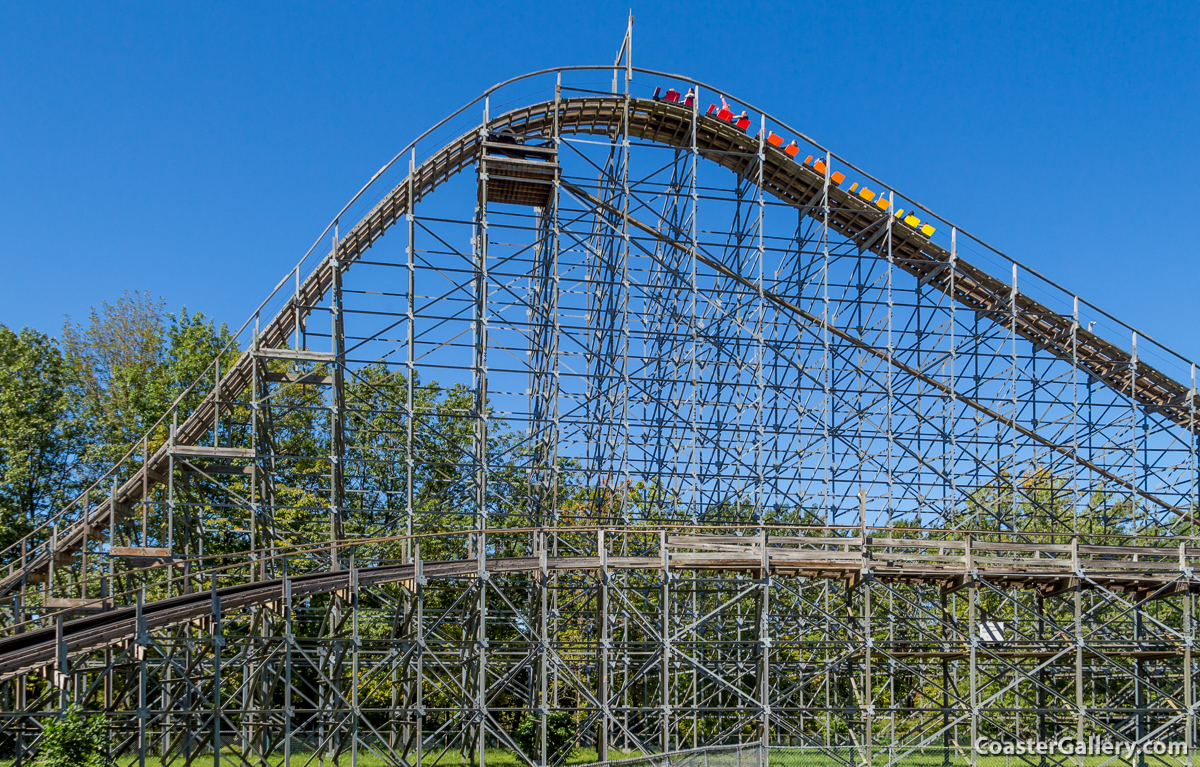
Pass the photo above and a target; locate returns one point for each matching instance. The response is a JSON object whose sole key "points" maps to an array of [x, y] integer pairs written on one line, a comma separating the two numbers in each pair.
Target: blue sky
{"points": [[195, 151]]}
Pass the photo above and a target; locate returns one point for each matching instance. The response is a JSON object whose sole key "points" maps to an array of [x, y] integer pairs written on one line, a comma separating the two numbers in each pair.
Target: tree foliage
{"points": [[34, 434], [128, 362], [73, 741], [70, 409], [560, 735]]}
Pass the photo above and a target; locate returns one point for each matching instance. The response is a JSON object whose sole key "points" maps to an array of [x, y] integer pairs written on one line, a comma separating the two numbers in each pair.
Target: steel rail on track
{"points": [[669, 124]]}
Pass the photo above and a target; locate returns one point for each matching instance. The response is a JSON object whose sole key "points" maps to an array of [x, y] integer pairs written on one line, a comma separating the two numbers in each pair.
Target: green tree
{"points": [[73, 741], [35, 439], [112, 357], [560, 735], [129, 362]]}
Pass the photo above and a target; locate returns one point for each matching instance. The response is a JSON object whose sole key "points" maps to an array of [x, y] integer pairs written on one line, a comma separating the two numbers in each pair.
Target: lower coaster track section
{"points": [[436, 648]]}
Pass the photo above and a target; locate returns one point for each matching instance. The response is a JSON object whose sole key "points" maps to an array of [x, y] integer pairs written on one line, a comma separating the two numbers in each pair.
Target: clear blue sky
{"points": [[195, 150]]}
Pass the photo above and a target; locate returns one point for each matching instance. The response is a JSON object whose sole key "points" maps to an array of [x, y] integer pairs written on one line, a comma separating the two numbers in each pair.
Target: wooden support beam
{"points": [[77, 605], [296, 355], [211, 452], [220, 468], [312, 379], [139, 552]]}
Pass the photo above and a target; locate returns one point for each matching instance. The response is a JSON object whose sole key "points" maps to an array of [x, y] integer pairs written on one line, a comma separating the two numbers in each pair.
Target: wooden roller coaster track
{"points": [[1143, 572], [718, 141]]}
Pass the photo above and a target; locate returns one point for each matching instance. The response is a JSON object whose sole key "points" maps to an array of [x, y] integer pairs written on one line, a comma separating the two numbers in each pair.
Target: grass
{"points": [[493, 757]]}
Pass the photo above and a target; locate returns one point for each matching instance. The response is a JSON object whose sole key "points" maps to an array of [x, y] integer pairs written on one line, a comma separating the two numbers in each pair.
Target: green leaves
{"points": [[73, 741], [128, 363], [34, 436], [68, 412], [560, 734]]}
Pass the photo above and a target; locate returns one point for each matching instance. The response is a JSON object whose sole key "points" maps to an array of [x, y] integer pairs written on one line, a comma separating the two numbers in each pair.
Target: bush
{"points": [[73, 741], [560, 734]]}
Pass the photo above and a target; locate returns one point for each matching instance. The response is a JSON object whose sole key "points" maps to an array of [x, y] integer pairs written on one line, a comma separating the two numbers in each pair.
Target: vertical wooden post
{"points": [[1189, 696], [288, 670], [605, 645], [764, 640], [355, 647], [419, 709], [544, 651], [141, 641], [337, 410], [972, 645], [1080, 710], [665, 629], [218, 647]]}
